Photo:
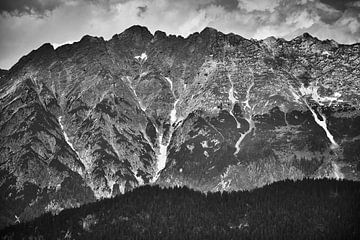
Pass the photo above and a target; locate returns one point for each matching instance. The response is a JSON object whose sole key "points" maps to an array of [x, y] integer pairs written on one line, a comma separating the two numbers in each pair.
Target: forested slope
{"points": [[308, 209]]}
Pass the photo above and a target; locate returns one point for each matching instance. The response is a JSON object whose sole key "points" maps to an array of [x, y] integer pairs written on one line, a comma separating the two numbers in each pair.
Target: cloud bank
{"points": [[26, 24]]}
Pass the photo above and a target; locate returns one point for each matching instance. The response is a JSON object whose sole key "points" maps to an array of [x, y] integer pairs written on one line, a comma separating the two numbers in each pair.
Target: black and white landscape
{"points": [[151, 135]]}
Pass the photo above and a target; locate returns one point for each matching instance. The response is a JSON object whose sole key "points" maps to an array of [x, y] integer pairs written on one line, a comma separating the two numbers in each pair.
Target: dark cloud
{"points": [[20, 7], [41, 7], [330, 18], [341, 5], [142, 10], [106, 4], [229, 5]]}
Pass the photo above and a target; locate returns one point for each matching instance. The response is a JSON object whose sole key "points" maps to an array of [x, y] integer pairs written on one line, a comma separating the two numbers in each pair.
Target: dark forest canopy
{"points": [[307, 209]]}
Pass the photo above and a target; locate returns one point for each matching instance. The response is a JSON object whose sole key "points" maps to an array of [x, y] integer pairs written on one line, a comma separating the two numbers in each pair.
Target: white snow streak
{"points": [[163, 146], [295, 95], [312, 91], [233, 100], [173, 112], [66, 136], [147, 138], [248, 95], [143, 108], [162, 153], [249, 119], [322, 123], [171, 84], [251, 127]]}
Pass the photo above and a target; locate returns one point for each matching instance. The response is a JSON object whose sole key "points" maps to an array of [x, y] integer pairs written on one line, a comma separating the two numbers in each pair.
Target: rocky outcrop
{"points": [[211, 111]]}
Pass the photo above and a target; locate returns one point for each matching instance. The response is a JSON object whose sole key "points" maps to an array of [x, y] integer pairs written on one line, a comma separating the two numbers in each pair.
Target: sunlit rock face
{"points": [[212, 111]]}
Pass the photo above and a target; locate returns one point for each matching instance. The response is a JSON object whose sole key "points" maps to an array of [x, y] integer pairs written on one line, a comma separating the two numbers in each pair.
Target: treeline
{"points": [[307, 209]]}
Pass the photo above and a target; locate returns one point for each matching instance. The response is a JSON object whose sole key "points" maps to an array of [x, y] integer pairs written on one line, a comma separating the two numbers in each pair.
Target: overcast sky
{"points": [[27, 24]]}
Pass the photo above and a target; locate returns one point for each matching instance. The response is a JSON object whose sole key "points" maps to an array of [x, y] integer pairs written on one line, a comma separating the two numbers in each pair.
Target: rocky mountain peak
{"points": [[3, 72], [39, 57], [307, 35], [307, 38], [91, 39], [158, 35], [137, 31], [209, 31]]}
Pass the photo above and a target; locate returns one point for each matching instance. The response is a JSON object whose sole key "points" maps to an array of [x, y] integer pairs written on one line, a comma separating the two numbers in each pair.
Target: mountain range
{"points": [[212, 111]]}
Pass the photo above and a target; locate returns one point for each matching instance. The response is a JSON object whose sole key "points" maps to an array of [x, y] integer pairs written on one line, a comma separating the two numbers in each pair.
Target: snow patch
{"points": [[313, 92], [326, 53], [142, 57], [122, 188], [190, 147], [215, 141], [204, 144], [206, 154]]}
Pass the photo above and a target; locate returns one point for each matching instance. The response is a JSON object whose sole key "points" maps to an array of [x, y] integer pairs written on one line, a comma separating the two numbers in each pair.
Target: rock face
{"points": [[2, 73], [212, 111]]}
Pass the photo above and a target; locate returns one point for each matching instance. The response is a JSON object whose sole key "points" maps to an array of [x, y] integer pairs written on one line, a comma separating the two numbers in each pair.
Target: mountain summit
{"points": [[213, 111]]}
